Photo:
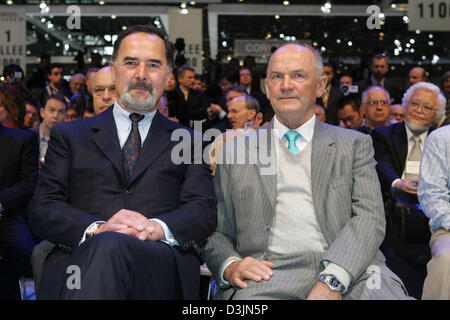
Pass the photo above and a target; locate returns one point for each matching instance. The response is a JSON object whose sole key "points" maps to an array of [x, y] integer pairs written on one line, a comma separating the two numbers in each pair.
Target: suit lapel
{"points": [[5, 147], [106, 138], [322, 159], [158, 139], [400, 141], [269, 181]]}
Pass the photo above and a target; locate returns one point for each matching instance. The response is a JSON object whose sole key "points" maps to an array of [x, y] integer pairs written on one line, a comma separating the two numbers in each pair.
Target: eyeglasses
{"points": [[381, 102], [99, 91], [425, 107]]}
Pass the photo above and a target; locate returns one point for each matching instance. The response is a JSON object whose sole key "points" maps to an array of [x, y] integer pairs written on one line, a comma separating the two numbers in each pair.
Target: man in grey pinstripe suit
{"points": [[311, 228]]}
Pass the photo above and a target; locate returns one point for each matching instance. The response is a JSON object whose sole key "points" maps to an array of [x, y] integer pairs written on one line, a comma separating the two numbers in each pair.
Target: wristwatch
{"points": [[92, 229], [332, 283]]}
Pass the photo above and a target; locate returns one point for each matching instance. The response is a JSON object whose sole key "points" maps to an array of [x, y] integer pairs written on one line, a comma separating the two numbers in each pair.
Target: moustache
{"points": [[141, 85]]}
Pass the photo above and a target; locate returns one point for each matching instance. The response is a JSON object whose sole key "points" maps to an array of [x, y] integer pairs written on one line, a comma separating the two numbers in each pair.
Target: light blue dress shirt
{"points": [[434, 179]]}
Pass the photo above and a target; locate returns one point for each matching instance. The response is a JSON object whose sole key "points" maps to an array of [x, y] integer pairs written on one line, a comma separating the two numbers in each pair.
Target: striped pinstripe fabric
{"points": [[349, 208]]}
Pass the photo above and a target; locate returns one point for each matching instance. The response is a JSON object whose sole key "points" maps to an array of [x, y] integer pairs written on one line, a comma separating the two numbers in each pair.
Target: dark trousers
{"points": [[16, 245], [111, 265]]}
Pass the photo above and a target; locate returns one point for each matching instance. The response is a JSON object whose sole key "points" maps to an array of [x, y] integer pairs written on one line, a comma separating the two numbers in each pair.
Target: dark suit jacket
{"points": [[331, 109], [264, 103], [394, 90], [83, 181], [192, 109], [18, 168], [391, 149]]}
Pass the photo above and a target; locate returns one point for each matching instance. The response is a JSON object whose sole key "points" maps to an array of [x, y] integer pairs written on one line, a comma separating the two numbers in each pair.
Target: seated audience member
{"points": [[39, 76], [417, 74], [376, 108], [434, 197], [190, 105], [103, 89], [13, 75], [88, 113], [345, 80], [18, 172], [215, 111], [55, 86], [164, 109], [243, 115], [72, 114], [32, 119], [349, 112], [310, 226], [133, 242], [52, 113], [228, 77], [330, 96], [379, 68], [200, 83], [398, 149], [397, 114], [77, 83], [446, 87], [320, 113], [84, 100], [12, 107], [246, 80]]}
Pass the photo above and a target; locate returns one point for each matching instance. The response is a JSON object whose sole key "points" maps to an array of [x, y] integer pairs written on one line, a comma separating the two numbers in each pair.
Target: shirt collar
{"points": [[423, 136], [123, 116], [41, 134], [306, 130]]}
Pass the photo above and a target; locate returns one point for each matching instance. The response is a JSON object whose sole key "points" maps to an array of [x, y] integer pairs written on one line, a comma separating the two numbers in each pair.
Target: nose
{"points": [[141, 71], [286, 83], [107, 95]]}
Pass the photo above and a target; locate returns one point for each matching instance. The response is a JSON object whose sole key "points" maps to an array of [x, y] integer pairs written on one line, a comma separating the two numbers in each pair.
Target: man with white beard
{"points": [[398, 151]]}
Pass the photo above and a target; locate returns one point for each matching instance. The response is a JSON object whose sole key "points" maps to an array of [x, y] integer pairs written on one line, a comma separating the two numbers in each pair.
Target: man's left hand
{"points": [[321, 291]]}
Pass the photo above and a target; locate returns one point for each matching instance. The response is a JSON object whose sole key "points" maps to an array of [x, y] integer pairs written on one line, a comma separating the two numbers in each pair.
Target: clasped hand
{"points": [[134, 224]]}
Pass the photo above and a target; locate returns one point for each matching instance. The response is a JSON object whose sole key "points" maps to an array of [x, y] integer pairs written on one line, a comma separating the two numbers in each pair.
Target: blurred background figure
{"points": [[397, 113], [72, 114], [350, 113], [417, 74], [32, 118], [320, 113], [77, 83], [12, 107], [104, 90]]}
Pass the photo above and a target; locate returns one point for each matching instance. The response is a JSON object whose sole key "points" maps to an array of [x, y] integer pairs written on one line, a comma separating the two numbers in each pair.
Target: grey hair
{"points": [[373, 88], [442, 102], [250, 102], [80, 75]]}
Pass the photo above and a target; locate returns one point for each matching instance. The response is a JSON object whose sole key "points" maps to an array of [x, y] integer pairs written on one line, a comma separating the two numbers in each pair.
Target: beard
{"points": [[416, 128], [145, 103]]}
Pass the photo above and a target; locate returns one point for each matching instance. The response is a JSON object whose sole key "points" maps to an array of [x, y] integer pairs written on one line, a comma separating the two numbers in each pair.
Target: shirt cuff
{"points": [[445, 222], [222, 115], [342, 275], [83, 239], [393, 182], [169, 238], [224, 283]]}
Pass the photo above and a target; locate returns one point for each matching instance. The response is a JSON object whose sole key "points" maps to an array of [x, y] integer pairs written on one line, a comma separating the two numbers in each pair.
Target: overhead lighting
{"points": [[9, 2], [192, 3], [113, 16], [323, 49], [430, 36], [393, 6], [184, 11], [124, 27], [412, 41], [397, 42], [277, 16], [338, 40], [101, 3], [417, 31], [286, 3], [430, 43], [224, 44], [405, 19], [350, 43], [183, 5]]}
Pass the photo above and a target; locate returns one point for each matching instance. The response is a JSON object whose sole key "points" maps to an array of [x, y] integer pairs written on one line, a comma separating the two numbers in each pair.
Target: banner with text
{"points": [[12, 37]]}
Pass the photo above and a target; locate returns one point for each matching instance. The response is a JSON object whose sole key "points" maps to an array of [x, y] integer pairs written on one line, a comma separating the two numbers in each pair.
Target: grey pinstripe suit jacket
{"points": [[347, 199]]}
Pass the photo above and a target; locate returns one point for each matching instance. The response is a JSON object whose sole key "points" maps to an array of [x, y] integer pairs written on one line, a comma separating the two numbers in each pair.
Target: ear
{"points": [[113, 71], [362, 109], [266, 88], [41, 111], [321, 85]]}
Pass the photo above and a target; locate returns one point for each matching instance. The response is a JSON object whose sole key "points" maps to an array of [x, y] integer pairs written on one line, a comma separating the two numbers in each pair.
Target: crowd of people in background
{"points": [[232, 99]]}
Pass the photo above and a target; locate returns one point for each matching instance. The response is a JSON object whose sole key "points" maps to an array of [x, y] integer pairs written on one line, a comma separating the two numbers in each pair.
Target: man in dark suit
{"points": [[123, 214], [331, 95], [246, 81], [18, 176], [398, 150], [189, 104], [55, 86], [379, 68]]}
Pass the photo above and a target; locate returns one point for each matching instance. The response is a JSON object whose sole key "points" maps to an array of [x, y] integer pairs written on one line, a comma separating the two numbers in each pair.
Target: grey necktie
{"points": [[414, 155]]}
